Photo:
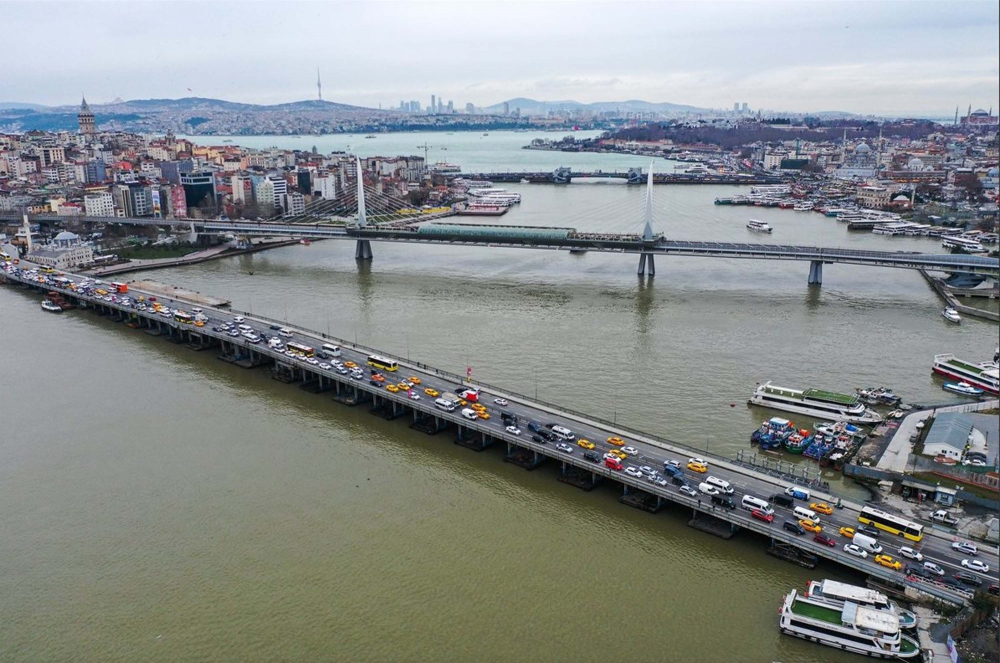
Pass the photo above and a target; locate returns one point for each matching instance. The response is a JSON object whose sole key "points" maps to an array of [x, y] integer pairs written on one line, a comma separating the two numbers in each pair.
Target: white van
{"points": [[723, 486], [867, 543], [469, 414], [563, 433], [803, 513], [330, 351], [708, 489], [445, 404], [750, 503]]}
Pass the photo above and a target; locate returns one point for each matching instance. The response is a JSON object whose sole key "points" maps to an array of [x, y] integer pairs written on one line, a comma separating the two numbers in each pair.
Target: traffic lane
{"points": [[944, 554]]}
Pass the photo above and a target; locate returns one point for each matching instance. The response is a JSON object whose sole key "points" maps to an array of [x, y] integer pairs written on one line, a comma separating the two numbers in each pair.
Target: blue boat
{"points": [[963, 389]]}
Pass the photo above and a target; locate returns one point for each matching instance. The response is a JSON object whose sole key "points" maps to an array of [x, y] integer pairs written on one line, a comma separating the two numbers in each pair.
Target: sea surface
{"points": [[161, 505]]}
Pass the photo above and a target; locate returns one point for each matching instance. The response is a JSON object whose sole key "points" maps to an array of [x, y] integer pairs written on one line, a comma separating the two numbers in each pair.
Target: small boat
{"points": [[370, 136], [525, 180], [962, 388], [951, 315], [50, 307], [305, 241], [758, 226]]}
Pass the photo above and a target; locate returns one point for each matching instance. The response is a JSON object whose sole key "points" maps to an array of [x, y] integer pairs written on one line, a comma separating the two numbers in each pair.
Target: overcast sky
{"points": [[893, 57]]}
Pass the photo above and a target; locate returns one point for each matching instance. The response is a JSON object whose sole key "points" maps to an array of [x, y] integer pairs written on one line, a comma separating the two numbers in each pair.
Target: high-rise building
{"points": [[470, 108], [433, 108], [451, 106], [199, 187], [86, 119], [506, 108], [736, 107], [99, 204], [746, 107], [414, 106]]}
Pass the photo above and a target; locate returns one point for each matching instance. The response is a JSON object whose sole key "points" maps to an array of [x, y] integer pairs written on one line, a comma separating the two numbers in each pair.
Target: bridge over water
{"points": [[390, 225]]}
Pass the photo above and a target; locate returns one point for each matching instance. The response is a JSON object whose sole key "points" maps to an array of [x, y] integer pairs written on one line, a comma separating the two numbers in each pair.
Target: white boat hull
{"points": [[869, 418], [843, 646]]}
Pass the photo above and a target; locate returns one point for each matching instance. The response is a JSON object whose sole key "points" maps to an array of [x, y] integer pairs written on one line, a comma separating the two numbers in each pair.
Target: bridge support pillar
{"points": [[643, 258], [363, 250], [816, 272]]}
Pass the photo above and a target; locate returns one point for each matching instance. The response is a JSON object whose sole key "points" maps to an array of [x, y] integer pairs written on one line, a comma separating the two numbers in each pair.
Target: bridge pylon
{"points": [[363, 248], [815, 272], [647, 229]]}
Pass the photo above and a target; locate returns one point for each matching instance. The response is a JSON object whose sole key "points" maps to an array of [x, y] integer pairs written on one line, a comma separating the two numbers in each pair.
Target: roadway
{"points": [[653, 452]]}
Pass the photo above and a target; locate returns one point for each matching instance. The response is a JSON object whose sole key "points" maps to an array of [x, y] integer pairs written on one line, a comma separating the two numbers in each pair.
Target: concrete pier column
{"points": [[643, 259], [642, 264], [363, 251], [816, 272]]}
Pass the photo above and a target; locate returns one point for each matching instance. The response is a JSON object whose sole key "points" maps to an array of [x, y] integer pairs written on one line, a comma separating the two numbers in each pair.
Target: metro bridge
{"points": [[389, 223]]}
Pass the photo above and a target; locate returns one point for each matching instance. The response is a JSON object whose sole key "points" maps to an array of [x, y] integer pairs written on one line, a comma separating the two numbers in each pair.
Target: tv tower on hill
{"points": [[319, 86]]}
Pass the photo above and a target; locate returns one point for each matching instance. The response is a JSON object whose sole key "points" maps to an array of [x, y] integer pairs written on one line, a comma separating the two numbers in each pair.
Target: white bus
{"points": [[330, 351]]}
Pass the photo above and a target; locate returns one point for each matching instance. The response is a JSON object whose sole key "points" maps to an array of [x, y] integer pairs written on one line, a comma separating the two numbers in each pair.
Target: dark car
{"points": [[673, 471], [793, 527], [534, 426], [592, 457], [951, 582], [679, 480], [723, 501], [539, 440], [783, 500], [825, 540], [869, 530], [375, 383], [547, 435], [913, 570], [994, 589], [275, 327], [968, 578]]}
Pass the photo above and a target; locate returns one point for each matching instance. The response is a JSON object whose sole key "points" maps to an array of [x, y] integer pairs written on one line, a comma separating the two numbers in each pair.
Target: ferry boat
{"points": [[962, 388], [963, 243], [483, 209], [951, 315], [837, 593], [803, 207], [756, 226], [879, 396], [984, 375], [814, 402], [856, 628], [50, 306]]}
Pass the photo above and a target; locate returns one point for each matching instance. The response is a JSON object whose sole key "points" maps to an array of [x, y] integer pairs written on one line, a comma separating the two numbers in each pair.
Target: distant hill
{"points": [[18, 105], [535, 107]]}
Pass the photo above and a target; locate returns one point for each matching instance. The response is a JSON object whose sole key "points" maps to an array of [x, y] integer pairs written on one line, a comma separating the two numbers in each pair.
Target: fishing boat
{"points": [[962, 388], [51, 307], [984, 375], [951, 315], [772, 433], [814, 402], [878, 396], [856, 628], [838, 593], [753, 225], [797, 442]]}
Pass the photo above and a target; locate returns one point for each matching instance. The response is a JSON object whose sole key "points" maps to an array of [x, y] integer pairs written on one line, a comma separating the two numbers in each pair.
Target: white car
{"points": [[325, 366], [976, 565], [289, 353], [648, 471], [856, 550], [931, 567], [675, 463], [708, 489], [631, 451], [562, 446], [414, 396], [633, 472], [238, 319], [513, 430], [502, 402], [910, 553], [689, 491], [966, 547], [660, 481], [610, 457]]}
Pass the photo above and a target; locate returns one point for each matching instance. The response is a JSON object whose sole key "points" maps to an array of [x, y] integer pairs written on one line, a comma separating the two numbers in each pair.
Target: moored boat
{"points": [[984, 375], [838, 593], [814, 402], [951, 315], [856, 628], [50, 307], [962, 388]]}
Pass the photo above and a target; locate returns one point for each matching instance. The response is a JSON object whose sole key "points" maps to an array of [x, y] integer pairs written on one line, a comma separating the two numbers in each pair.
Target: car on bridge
{"points": [[821, 507], [697, 465], [825, 540], [976, 565], [586, 444], [889, 562], [762, 515], [810, 526], [688, 490], [617, 441], [433, 393], [793, 527], [847, 531], [910, 553], [631, 451], [966, 547], [968, 578], [856, 550]]}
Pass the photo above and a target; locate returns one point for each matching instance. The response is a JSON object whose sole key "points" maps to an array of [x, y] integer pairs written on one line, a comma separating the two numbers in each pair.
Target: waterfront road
{"points": [[650, 451]]}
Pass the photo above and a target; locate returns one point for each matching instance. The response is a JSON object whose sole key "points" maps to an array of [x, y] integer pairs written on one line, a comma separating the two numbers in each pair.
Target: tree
{"points": [[418, 197]]}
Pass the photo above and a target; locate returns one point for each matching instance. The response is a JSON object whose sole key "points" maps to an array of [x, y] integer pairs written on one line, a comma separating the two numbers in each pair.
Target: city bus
{"points": [[301, 349], [185, 318], [381, 362], [890, 523]]}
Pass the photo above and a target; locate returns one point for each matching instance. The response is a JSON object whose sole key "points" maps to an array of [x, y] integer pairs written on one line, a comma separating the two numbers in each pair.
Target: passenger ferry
{"points": [[856, 628], [814, 402], [964, 243], [836, 594], [756, 226], [984, 375]]}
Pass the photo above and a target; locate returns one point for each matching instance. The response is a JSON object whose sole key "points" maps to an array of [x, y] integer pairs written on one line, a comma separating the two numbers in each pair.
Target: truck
{"points": [[942, 516], [797, 493]]}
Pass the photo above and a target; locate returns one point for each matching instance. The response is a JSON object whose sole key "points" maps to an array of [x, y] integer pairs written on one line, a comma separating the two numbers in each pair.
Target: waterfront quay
{"points": [[517, 448]]}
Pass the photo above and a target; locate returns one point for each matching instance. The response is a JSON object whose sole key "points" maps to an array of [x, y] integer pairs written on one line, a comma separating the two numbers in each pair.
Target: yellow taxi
{"points": [[199, 323], [350, 364], [393, 388], [586, 444], [617, 441], [847, 531], [810, 526], [483, 414], [620, 455], [821, 507], [888, 562], [403, 386], [462, 402], [414, 379], [696, 466], [433, 393]]}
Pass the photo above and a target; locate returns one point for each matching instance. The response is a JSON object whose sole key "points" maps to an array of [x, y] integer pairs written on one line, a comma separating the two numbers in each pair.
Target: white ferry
{"points": [[836, 594], [815, 403], [984, 375], [756, 226], [856, 628], [951, 315], [964, 243], [803, 207]]}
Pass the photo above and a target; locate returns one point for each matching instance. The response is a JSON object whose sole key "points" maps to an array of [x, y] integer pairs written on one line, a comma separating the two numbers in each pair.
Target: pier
{"points": [[486, 435]]}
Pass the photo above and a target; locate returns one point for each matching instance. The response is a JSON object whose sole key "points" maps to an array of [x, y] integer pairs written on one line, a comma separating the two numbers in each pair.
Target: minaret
{"points": [[956, 116], [85, 119], [27, 232], [319, 86]]}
